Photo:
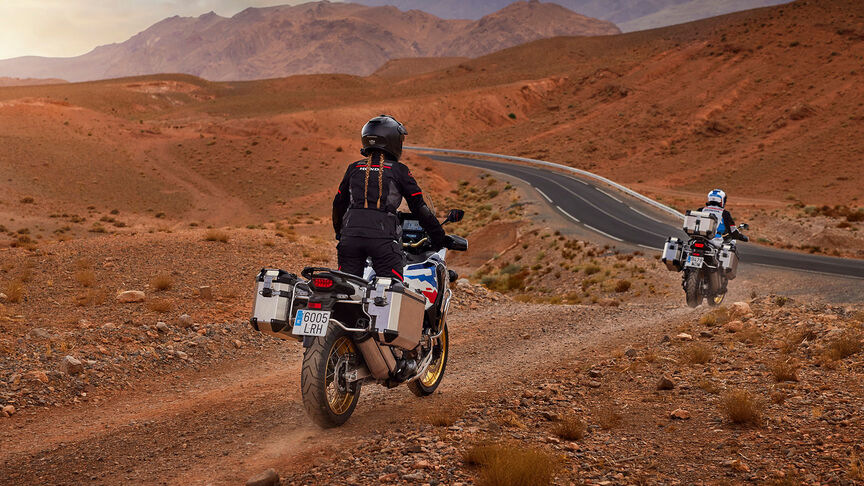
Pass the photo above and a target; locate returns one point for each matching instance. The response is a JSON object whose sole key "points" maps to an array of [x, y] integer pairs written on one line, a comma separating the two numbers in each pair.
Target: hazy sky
{"points": [[74, 27]]}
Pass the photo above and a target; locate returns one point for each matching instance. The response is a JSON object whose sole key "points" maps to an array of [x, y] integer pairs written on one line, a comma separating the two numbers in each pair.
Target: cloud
{"points": [[72, 27]]}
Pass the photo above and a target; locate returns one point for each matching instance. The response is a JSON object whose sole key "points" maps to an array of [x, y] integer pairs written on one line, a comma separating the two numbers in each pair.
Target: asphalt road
{"points": [[628, 220]]}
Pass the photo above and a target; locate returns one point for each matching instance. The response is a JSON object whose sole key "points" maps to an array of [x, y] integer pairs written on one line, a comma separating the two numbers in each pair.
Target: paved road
{"points": [[631, 221]]}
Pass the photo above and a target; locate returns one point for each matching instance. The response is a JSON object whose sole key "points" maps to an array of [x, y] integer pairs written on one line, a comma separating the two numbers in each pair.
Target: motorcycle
{"points": [[707, 269], [360, 330]]}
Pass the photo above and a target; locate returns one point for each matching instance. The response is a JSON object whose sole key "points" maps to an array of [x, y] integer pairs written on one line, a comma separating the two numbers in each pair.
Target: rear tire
{"points": [[693, 288], [431, 378], [325, 403]]}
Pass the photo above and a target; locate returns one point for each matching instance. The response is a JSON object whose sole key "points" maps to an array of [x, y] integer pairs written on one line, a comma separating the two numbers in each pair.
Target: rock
{"points": [[201, 340], [418, 476], [594, 384], [185, 321], [388, 478], [665, 383], [39, 333], [3, 297], [706, 334], [266, 478], [594, 373], [238, 344], [162, 327], [665, 339], [71, 366], [684, 337], [680, 414], [181, 355], [37, 375], [734, 326], [109, 325], [9, 410], [421, 464], [463, 282], [131, 296], [205, 292], [740, 309], [630, 353]]}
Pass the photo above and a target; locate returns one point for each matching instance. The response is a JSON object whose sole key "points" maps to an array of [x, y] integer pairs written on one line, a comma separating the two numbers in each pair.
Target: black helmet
{"points": [[383, 133]]}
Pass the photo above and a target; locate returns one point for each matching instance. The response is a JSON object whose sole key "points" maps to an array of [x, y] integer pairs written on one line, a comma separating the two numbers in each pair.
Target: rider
{"points": [[716, 205], [365, 207]]}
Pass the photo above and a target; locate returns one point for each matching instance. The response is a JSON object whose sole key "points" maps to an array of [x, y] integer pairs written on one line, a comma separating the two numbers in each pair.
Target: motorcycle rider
{"points": [[716, 205], [365, 207]]}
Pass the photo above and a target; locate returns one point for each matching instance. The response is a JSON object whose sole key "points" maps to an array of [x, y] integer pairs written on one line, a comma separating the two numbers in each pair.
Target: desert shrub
{"points": [[708, 386], [697, 353], [749, 335], [160, 305], [570, 428], [511, 465], [739, 406], [856, 467], [85, 277], [591, 269], [216, 235], [163, 281], [794, 340], [780, 300], [846, 345], [785, 370], [622, 286]]}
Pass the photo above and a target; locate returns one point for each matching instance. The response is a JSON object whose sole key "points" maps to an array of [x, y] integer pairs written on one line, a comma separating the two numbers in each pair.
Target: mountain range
{"points": [[315, 37], [629, 15]]}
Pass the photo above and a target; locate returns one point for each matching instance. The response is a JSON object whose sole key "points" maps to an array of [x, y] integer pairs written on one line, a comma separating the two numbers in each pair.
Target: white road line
{"points": [[568, 214], [603, 233], [650, 248], [543, 194], [610, 195], [643, 214]]}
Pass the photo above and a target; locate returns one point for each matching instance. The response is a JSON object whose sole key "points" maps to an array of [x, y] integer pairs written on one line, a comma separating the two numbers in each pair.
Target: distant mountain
{"points": [[693, 10], [5, 82], [626, 12], [317, 37]]}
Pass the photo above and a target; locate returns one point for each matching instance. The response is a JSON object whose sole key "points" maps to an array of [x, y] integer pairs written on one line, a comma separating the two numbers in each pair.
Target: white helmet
{"points": [[717, 197]]}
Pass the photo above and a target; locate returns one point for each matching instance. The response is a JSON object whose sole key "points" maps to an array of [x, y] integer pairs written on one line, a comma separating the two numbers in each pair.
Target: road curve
{"points": [[629, 220]]}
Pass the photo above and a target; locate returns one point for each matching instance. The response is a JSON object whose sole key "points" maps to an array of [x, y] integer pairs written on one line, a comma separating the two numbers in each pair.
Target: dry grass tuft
{"points": [[697, 353], [708, 386], [86, 277], [856, 468], [15, 291], [441, 418], [161, 282], [91, 297], [607, 418], [716, 317], [785, 370], [741, 407], [749, 335], [160, 305], [570, 428], [511, 465], [216, 235], [846, 345], [794, 340]]}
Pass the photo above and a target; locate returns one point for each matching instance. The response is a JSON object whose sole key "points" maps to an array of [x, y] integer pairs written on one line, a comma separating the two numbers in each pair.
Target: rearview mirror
{"points": [[744, 226], [455, 215]]}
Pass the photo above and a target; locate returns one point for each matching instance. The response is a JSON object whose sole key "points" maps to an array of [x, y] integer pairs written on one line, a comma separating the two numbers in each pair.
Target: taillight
{"points": [[322, 283], [699, 245], [314, 305], [697, 254]]}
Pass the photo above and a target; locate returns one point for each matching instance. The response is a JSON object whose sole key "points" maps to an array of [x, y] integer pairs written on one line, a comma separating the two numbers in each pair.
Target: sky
{"points": [[61, 28]]}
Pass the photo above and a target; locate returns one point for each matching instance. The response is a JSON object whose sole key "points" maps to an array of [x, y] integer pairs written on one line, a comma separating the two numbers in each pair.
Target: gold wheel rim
{"points": [[338, 401], [718, 299], [436, 368]]}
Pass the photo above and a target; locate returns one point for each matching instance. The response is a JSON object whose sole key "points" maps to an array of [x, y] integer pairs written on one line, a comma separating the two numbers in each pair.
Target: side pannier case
{"points": [[673, 254], [397, 313], [277, 294], [698, 223], [729, 260]]}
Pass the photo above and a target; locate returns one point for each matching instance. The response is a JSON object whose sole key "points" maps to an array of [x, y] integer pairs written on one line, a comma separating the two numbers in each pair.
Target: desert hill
{"points": [[316, 37], [754, 102], [628, 14]]}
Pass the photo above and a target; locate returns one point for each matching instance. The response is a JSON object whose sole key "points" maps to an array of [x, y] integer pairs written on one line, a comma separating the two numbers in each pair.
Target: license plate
{"points": [[694, 261], [311, 323]]}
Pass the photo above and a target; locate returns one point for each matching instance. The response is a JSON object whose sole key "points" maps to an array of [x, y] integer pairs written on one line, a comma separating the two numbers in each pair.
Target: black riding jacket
{"points": [[361, 209]]}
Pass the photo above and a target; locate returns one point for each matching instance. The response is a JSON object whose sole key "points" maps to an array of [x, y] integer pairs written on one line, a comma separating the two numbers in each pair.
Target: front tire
{"points": [[328, 400], [431, 378], [693, 288]]}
